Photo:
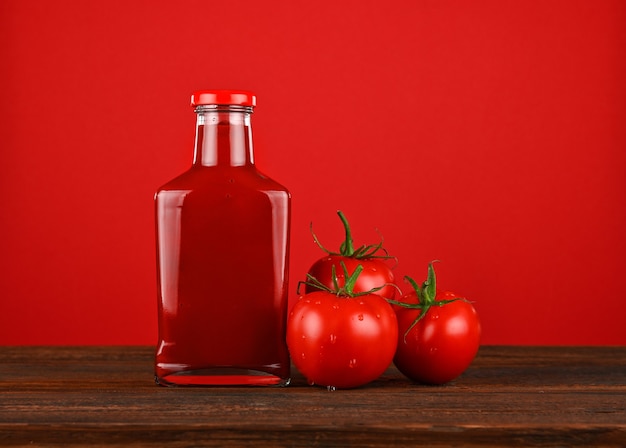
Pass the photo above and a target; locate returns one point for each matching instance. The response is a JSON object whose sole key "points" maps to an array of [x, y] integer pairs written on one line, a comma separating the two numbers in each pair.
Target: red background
{"points": [[487, 134]]}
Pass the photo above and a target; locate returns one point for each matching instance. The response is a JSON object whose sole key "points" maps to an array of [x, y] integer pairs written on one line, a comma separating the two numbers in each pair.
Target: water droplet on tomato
{"points": [[360, 317], [361, 302], [352, 363], [333, 338], [335, 306], [331, 388], [303, 355], [311, 382], [303, 336], [378, 316], [318, 302]]}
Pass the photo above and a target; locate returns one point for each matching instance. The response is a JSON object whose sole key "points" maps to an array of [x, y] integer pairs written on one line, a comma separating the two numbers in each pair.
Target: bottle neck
{"points": [[223, 136]]}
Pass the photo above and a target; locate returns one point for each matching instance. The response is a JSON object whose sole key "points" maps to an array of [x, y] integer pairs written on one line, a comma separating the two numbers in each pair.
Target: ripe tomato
{"points": [[340, 340], [438, 333], [377, 275]]}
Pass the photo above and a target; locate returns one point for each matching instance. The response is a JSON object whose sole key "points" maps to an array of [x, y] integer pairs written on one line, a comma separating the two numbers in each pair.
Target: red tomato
{"points": [[377, 276], [341, 342], [438, 337]]}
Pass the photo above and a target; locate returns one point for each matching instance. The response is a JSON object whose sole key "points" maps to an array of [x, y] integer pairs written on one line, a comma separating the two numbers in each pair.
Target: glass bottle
{"points": [[222, 232]]}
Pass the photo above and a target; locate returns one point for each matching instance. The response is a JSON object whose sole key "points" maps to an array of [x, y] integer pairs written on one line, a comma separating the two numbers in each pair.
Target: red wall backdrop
{"points": [[487, 134]]}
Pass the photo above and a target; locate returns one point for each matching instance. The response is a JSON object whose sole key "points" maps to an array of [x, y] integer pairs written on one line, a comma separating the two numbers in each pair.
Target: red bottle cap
{"points": [[223, 97]]}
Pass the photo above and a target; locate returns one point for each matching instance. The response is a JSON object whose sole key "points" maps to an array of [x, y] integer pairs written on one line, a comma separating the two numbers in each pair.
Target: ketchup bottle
{"points": [[222, 237]]}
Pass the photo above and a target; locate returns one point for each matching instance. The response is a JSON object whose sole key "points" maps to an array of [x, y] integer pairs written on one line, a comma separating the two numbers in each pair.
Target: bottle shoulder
{"points": [[201, 178], [272, 184]]}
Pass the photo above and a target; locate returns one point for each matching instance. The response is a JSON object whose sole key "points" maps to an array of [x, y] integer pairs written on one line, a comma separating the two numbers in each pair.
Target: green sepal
{"points": [[347, 290], [346, 249], [426, 296]]}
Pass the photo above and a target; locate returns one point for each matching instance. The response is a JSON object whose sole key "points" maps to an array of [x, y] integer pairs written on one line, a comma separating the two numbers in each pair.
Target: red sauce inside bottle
{"points": [[222, 239]]}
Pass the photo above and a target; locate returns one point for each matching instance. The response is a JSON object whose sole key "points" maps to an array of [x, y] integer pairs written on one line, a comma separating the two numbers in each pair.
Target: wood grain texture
{"points": [[106, 396]]}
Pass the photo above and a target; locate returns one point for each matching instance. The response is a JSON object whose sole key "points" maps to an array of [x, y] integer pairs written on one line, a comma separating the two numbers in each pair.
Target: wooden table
{"points": [[105, 396]]}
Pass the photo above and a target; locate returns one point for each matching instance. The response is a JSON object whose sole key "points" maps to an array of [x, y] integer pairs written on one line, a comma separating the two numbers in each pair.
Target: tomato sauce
{"points": [[222, 245]]}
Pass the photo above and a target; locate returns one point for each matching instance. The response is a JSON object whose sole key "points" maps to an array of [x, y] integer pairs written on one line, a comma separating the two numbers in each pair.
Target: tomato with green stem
{"points": [[376, 273], [340, 338], [438, 333]]}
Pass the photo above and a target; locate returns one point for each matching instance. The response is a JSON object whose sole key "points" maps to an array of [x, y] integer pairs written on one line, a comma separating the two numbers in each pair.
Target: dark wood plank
{"points": [[529, 396]]}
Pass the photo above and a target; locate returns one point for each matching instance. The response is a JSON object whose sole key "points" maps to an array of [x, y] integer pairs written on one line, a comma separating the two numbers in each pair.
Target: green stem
{"points": [[347, 247]]}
